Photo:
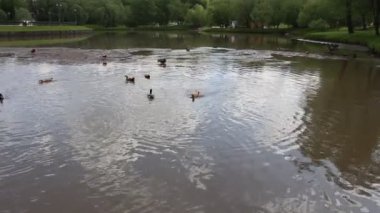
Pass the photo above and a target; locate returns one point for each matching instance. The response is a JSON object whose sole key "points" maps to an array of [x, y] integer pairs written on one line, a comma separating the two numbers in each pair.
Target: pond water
{"points": [[278, 129]]}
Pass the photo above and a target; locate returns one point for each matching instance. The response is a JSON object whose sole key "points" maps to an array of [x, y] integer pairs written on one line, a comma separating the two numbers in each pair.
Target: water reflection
{"points": [[343, 126]]}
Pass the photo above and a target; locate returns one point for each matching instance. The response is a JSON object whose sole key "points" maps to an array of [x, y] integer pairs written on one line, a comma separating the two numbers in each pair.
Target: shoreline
{"points": [[36, 31], [362, 38]]}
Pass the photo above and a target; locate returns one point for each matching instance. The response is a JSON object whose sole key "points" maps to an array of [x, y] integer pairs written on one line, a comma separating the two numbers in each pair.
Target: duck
{"points": [[147, 76], [187, 49], [150, 95], [1, 97], [33, 51], [162, 61], [104, 56], [129, 79], [43, 81], [195, 95], [104, 63]]}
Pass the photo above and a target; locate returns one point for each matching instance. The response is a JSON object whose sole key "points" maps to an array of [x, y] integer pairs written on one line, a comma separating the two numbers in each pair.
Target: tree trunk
{"points": [[364, 22], [376, 11], [350, 25]]}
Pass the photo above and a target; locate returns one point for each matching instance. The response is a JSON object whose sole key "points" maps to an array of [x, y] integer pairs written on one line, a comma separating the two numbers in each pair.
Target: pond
{"points": [[281, 126]]}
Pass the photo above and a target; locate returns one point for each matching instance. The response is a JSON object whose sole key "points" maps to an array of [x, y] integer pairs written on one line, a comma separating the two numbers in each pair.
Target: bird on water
{"points": [[150, 95]]}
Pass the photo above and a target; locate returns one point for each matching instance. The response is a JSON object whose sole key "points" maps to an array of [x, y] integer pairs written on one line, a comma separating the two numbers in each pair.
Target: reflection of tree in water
{"points": [[343, 122]]}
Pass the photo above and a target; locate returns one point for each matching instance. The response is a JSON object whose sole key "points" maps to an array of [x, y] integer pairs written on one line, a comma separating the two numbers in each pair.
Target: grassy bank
{"points": [[39, 42], [140, 28], [367, 38], [245, 30], [43, 28]]}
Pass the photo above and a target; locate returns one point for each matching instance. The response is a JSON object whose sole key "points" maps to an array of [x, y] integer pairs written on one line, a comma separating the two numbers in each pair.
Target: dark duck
{"points": [[162, 62], [44, 81], [129, 79], [150, 95]]}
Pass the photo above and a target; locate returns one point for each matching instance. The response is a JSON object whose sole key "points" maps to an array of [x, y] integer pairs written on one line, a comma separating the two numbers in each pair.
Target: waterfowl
{"points": [[162, 61], [332, 47], [104, 63], [147, 76], [129, 79], [43, 81], [187, 49], [33, 51], [1, 97], [104, 56], [195, 95], [150, 95]]}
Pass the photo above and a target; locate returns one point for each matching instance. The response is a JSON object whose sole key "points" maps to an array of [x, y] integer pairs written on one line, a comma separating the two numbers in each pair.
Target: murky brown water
{"points": [[276, 131]]}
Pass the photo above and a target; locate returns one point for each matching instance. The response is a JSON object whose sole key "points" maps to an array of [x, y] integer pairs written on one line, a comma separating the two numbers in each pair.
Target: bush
{"points": [[319, 24], [23, 14], [3, 15]]}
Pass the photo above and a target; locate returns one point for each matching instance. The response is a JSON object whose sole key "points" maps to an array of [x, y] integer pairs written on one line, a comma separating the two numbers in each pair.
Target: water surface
{"points": [[278, 129]]}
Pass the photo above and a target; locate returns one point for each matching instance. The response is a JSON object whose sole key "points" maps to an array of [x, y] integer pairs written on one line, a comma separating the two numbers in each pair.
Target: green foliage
{"points": [[247, 13], [242, 10], [261, 13], [22, 14], [324, 9], [197, 16], [221, 12], [319, 24], [143, 12], [3, 15], [177, 10]]}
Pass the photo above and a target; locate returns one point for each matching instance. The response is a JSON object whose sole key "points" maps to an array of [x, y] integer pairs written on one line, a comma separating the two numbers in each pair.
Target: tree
{"points": [[22, 14], [197, 16], [376, 15], [241, 11], [291, 10], [143, 12], [221, 12], [261, 13], [363, 9], [3, 15], [177, 10], [349, 23]]}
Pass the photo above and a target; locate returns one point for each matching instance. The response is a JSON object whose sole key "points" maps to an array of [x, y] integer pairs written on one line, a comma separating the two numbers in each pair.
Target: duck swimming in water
{"points": [[1, 97], [33, 51], [162, 61], [129, 79], [147, 76], [195, 95], [150, 95], [43, 81]]}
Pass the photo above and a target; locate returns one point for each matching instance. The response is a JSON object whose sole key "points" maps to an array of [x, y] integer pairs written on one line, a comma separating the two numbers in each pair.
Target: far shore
{"points": [[363, 37], [32, 31]]}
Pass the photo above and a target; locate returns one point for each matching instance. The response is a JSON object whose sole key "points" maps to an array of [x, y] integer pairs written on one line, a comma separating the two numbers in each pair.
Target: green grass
{"points": [[140, 28], [42, 28], [244, 30], [102, 28], [367, 38], [164, 28], [38, 42]]}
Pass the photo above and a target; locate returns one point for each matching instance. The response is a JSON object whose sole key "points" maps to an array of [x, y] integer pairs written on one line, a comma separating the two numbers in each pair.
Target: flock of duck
{"points": [[128, 79]]}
